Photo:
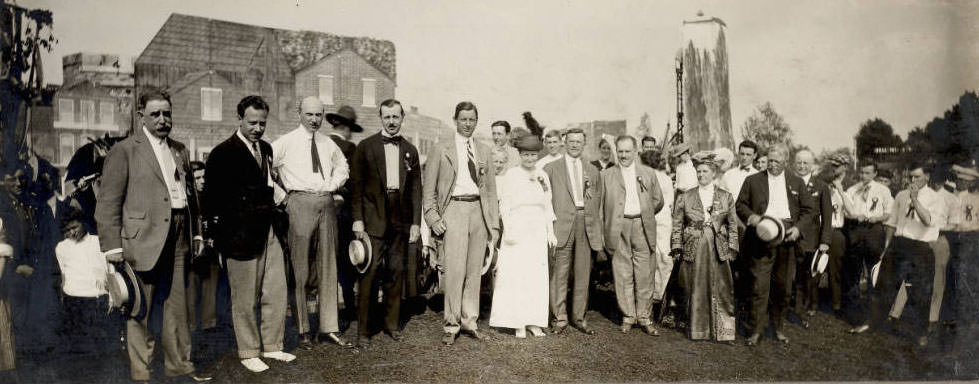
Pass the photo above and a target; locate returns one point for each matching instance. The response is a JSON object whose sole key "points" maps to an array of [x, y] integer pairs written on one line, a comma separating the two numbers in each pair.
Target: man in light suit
{"points": [[461, 208], [147, 215], [783, 196], [630, 201], [386, 192], [577, 200], [238, 207]]}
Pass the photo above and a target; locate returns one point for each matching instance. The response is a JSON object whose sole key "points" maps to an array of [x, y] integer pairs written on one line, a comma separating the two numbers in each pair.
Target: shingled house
{"points": [[209, 65]]}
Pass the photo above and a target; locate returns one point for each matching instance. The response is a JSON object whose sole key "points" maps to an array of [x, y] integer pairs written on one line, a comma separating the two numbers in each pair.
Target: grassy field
{"points": [[825, 352]]}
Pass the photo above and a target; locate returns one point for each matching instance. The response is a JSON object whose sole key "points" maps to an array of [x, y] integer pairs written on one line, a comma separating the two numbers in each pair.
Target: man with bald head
{"points": [[311, 168], [817, 233]]}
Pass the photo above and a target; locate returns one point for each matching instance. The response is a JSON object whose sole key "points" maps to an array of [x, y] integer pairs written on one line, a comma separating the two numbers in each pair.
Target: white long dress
{"points": [[663, 263], [520, 295]]}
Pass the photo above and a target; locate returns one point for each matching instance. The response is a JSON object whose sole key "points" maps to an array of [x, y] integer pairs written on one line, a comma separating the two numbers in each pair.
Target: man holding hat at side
{"points": [[344, 122], [816, 236], [767, 197], [385, 191], [686, 175]]}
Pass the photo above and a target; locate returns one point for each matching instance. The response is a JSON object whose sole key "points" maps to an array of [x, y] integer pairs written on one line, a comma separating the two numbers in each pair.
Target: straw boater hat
{"points": [[818, 264], [770, 230], [488, 259], [125, 291], [360, 254], [345, 116], [679, 149], [965, 173]]}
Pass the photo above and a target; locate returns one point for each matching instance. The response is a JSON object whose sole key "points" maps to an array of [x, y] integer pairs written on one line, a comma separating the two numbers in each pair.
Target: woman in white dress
{"points": [[520, 297]]}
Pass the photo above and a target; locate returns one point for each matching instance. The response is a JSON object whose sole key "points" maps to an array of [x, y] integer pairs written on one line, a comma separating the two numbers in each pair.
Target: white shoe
{"points": [[254, 364], [536, 331], [521, 333], [280, 356]]}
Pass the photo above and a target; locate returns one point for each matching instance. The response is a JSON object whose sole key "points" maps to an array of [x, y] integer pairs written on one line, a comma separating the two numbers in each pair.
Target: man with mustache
{"points": [[311, 170], [147, 216]]}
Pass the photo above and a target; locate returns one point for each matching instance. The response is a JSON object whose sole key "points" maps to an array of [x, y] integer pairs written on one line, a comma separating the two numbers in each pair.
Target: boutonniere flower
{"points": [[407, 162], [642, 187], [587, 188], [540, 179]]}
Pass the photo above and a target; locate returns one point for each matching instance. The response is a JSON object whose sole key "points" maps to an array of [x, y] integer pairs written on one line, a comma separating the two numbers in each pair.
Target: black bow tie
{"points": [[396, 140], [745, 168]]}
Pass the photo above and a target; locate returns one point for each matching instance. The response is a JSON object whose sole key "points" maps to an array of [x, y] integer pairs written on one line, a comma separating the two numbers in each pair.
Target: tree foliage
{"points": [[767, 128], [875, 133]]}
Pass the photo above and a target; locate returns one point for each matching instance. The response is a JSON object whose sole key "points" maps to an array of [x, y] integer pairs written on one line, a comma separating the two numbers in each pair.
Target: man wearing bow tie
{"points": [[631, 199], [867, 205], [385, 189]]}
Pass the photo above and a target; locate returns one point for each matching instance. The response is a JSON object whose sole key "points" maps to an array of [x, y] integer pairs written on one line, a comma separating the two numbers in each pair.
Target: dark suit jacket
{"points": [[753, 200], [613, 203], [133, 210], [238, 203], [562, 200], [368, 185], [818, 229], [598, 165], [688, 227]]}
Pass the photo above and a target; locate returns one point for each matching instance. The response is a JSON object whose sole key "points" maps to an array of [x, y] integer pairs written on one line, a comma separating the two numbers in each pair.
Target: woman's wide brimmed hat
{"points": [[360, 254], [770, 230], [345, 116], [125, 291], [529, 143]]}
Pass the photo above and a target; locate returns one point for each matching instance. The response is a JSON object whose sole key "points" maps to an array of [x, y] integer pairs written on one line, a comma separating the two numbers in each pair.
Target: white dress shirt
{"points": [[778, 199], [908, 224], [837, 200], [577, 177], [733, 179], [950, 219], [686, 176], [164, 157], [464, 183], [871, 200], [391, 171], [706, 193], [254, 147], [82, 266], [292, 157], [631, 206]]}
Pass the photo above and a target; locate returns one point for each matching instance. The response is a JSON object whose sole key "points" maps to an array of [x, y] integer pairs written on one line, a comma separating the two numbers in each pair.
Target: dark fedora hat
{"points": [[125, 291], [346, 115]]}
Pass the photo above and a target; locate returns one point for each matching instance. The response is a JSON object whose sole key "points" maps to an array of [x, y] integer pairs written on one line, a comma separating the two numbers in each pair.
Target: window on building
{"points": [[370, 92], [210, 104], [326, 89], [87, 109], [66, 110], [66, 147], [107, 113]]}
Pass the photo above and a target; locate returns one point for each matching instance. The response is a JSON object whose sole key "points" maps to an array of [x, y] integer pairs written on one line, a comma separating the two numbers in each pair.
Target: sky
{"points": [[826, 66]]}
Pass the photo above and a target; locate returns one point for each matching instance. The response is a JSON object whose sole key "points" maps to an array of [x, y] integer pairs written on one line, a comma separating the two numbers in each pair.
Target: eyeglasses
{"points": [[156, 114]]}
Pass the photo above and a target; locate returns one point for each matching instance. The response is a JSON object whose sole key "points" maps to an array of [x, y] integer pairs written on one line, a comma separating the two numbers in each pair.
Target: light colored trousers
{"points": [[632, 270], [313, 214], [260, 281], [463, 253]]}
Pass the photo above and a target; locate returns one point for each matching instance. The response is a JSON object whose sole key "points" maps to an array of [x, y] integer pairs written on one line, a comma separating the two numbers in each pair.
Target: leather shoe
{"points": [[448, 338], [363, 341], [650, 330], [860, 329], [805, 323], [625, 328], [558, 329], [198, 377], [584, 329], [306, 342], [335, 338], [754, 339], [397, 336], [475, 334], [781, 337]]}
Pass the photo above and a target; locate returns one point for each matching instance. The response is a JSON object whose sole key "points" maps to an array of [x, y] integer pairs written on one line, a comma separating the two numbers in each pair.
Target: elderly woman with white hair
{"points": [[705, 237]]}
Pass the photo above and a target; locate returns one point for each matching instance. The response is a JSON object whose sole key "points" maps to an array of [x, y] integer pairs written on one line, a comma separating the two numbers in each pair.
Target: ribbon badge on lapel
{"points": [[642, 187], [481, 172], [968, 213], [543, 185], [873, 205], [407, 162], [587, 188]]}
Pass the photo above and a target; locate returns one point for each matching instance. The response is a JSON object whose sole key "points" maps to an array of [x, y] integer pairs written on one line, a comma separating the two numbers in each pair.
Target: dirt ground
{"points": [[825, 352]]}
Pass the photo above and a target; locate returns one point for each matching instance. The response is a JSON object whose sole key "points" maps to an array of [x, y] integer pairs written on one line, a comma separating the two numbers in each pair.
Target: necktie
{"points": [[257, 154], [392, 139], [472, 164], [317, 167], [577, 180], [745, 168]]}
